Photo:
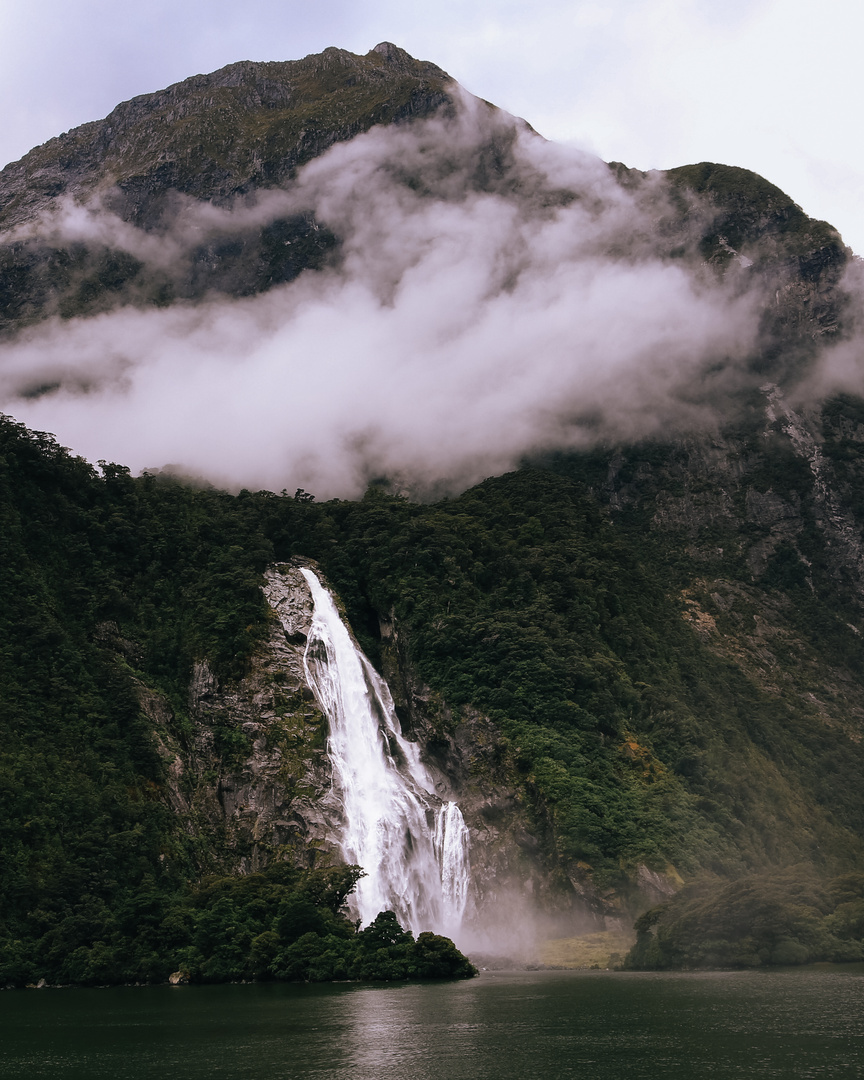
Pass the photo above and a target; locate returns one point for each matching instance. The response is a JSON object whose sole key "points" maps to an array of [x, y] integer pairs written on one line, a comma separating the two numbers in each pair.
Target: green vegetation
{"points": [[780, 918], [751, 210], [628, 738], [99, 881], [631, 740], [283, 923], [84, 826]]}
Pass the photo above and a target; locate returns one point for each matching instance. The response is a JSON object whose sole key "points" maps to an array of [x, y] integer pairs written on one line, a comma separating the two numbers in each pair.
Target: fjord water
{"points": [[412, 845], [520, 1025]]}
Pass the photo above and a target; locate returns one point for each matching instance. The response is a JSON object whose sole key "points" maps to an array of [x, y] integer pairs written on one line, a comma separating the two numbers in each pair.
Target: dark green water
{"points": [[590, 1025]]}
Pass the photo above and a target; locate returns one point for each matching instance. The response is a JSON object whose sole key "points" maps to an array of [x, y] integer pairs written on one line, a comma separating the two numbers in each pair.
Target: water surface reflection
{"points": [[525, 1025]]}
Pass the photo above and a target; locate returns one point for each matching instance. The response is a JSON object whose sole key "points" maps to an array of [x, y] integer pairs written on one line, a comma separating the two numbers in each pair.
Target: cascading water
{"points": [[451, 847], [413, 848]]}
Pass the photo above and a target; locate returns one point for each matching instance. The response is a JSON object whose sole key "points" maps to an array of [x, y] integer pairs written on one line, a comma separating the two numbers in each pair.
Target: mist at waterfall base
{"points": [[399, 823], [493, 295]]}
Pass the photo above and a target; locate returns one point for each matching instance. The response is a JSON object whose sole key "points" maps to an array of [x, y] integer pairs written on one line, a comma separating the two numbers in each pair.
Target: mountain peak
{"points": [[247, 125], [392, 53]]}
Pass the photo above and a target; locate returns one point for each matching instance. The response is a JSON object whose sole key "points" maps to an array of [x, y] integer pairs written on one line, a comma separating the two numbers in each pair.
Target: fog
{"points": [[494, 295], [840, 368]]}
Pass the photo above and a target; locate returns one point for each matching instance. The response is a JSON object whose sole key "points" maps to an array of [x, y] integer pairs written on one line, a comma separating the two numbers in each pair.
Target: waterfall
{"points": [[451, 847], [413, 847]]}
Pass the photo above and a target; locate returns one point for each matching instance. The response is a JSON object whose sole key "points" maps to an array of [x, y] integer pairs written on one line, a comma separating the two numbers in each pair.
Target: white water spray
{"points": [[451, 847], [413, 848]]}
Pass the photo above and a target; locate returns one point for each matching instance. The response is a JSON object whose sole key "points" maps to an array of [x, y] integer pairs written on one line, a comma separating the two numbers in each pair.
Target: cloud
{"points": [[495, 295], [655, 83], [840, 368]]}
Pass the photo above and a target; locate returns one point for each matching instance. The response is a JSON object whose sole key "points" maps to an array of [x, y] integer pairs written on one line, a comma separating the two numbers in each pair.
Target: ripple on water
{"points": [[588, 1025]]}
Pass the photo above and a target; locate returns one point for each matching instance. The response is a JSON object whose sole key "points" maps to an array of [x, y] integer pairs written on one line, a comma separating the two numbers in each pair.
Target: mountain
{"points": [[214, 137], [634, 661]]}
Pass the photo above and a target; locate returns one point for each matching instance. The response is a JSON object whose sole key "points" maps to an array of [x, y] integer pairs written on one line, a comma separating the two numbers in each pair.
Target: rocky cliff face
{"points": [[764, 516], [780, 481], [215, 138], [270, 795], [249, 775]]}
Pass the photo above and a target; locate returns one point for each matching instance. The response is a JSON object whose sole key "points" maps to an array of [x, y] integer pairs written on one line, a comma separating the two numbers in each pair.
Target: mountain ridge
{"points": [[292, 94], [637, 663]]}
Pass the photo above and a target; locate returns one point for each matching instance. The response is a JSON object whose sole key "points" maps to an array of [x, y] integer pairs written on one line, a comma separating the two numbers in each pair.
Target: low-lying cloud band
{"points": [[494, 295]]}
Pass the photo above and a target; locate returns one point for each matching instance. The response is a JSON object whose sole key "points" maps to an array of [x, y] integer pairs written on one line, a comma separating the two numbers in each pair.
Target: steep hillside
{"points": [[609, 722], [635, 665], [214, 136], [218, 138]]}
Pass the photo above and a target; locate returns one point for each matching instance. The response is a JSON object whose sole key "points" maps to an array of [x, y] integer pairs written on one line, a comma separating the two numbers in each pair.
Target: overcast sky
{"points": [[773, 85]]}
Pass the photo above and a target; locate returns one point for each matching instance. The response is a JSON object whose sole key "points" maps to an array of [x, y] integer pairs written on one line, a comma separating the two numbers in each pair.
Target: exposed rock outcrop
{"points": [[245, 126], [218, 138], [251, 776], [251, 780]]}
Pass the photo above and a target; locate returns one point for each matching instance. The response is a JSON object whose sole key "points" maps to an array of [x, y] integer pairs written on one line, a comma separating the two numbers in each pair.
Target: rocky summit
{"points": [[216, 138], [634, 662]]}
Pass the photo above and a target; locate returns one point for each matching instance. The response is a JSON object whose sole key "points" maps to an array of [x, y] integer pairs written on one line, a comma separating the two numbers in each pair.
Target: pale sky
{"points": [[771, 85]]}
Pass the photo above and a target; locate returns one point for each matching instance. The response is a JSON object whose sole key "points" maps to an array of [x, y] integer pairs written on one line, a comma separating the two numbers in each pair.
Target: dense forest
{"points": [[630, 740], [637, 665]]}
